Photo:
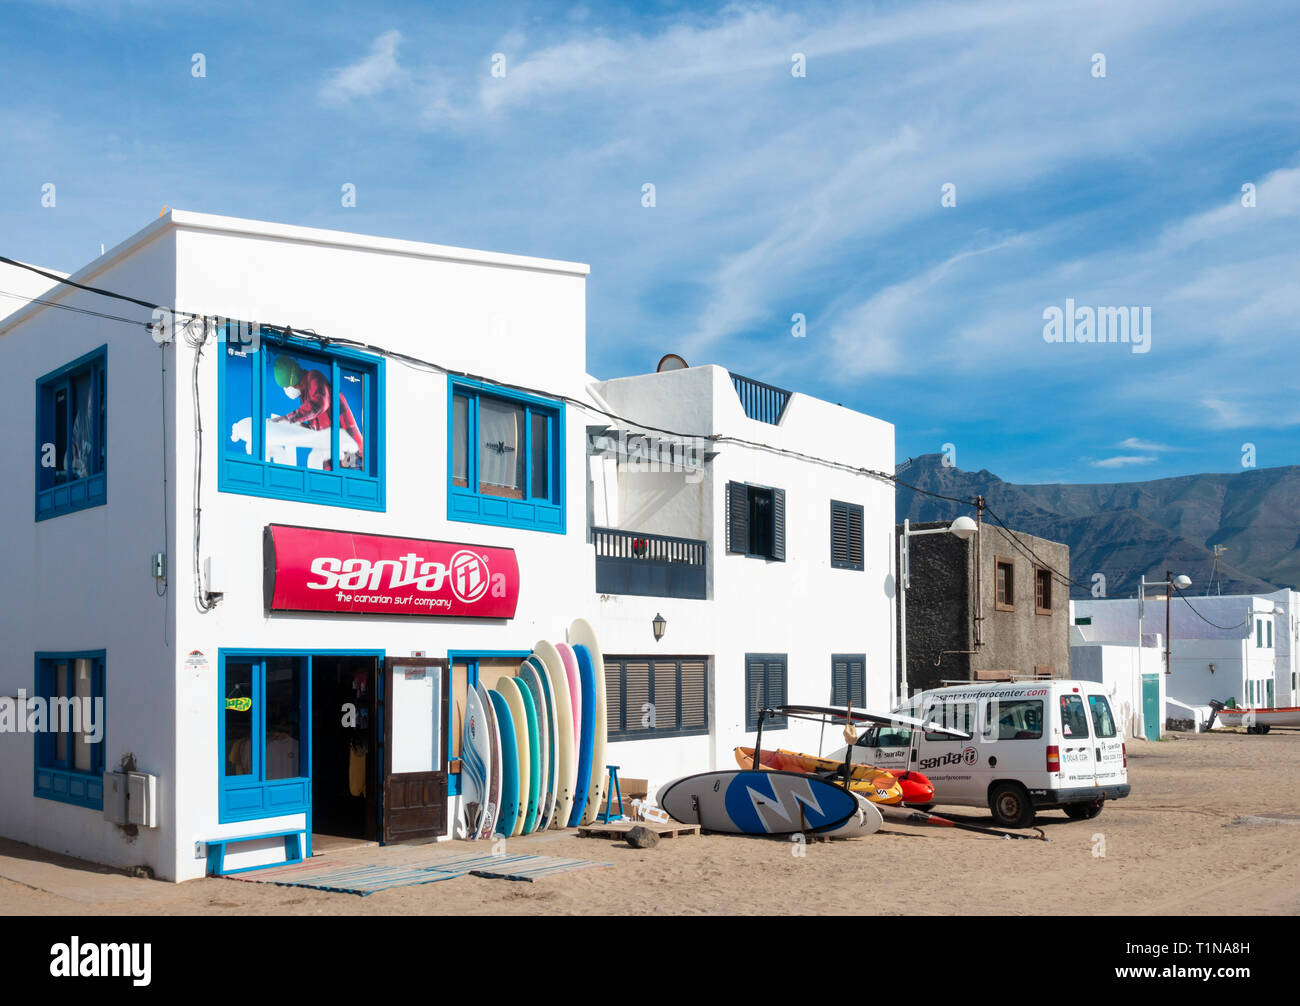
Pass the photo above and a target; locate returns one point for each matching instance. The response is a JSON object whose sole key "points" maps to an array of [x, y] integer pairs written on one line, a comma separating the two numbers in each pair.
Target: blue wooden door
{"points": [[1151, 706]]}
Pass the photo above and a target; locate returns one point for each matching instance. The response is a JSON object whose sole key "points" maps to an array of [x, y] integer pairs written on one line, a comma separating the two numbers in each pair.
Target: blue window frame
{"points": [[71, 436], [300, 421], [69, 756], [505, 457], [264, 735]]}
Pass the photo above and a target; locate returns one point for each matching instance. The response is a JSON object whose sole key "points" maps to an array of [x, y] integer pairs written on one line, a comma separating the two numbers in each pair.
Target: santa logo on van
{"points": [[309, 569]]}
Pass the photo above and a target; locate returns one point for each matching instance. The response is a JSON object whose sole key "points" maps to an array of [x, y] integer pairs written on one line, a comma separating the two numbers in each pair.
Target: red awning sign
{"points": [[309, 569]]}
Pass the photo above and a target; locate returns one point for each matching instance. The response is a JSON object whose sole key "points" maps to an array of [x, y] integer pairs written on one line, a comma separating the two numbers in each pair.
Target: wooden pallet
{"points": [[617, 829]]}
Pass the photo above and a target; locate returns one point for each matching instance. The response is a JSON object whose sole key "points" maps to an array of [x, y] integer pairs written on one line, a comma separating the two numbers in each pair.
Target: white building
{"points": [[1221, 646], [178, 520]]}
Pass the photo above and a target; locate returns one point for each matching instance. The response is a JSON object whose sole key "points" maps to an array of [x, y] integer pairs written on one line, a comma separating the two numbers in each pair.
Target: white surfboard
{"points": [[529, 675], [581, 633], [492, 800], [475, 758], [567, 760]]}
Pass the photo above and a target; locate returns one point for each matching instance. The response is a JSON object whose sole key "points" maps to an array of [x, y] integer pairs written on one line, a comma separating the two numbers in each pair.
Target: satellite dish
{"points": [[671, 361]]}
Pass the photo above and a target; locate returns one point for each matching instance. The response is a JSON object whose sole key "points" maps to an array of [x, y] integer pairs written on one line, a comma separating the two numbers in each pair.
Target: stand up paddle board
{"points": [[534, 773], [758, 803]]}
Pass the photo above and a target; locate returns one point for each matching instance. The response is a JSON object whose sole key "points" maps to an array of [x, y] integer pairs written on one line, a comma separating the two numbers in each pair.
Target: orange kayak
{"points": [[875, 784]]}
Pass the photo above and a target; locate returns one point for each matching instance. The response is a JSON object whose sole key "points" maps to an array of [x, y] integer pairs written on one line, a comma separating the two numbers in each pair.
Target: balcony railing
{"points": [[649, 565], [763, 402]]}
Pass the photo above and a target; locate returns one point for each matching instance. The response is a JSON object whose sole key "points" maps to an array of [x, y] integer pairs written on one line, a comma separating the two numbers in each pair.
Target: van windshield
{"points": [[1014, 720], [1103, 723], [1074, 721]]}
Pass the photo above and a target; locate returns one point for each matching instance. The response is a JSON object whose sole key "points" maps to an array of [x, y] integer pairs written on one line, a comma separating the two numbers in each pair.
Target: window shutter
{"points": [[857, 674], [637, 691], [839, 534], [737, 518], [665, 692], [855, 537], [839, 682], [775, 691], [755, 671], [695, 697], [614, 696], [778, 525]]}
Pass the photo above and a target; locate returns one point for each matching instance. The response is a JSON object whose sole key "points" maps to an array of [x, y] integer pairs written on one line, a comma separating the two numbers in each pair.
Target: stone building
{"points": [[987, 607]]}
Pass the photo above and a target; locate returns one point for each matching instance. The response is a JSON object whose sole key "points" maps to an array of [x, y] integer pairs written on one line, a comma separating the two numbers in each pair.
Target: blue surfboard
{"points": [[586, 742], [509, 765]]}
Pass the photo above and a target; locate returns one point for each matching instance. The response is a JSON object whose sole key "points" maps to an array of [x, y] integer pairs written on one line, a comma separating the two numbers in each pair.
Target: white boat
{"points": [[1260, 720]]}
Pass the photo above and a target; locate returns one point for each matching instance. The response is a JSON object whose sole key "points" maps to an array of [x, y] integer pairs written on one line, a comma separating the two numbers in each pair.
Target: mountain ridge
{"points": [[1123, 530]]}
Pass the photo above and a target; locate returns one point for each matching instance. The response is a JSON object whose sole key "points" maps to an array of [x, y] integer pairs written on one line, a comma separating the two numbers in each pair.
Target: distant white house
{"points": [[1237, 647]]}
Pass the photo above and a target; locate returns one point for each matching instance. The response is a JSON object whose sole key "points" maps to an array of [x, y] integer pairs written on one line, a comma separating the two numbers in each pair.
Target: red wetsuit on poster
{"points": [[313, 388]]}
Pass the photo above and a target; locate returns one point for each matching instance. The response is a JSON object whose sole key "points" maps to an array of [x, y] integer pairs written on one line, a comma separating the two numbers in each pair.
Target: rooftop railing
{"points": [[762, 402]]}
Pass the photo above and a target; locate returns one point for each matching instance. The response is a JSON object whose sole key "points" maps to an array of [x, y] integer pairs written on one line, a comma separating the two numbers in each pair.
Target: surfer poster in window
{"points": [[312, 409], [299, 403]]}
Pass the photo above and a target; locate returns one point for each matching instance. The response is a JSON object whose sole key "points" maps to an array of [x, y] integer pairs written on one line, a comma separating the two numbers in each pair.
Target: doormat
{"points": [[362, 880], [366, 879]]}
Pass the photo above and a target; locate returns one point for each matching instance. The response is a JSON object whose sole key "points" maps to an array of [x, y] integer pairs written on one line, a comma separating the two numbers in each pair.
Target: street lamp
{"points": [[963, 528], [1170, 583]]}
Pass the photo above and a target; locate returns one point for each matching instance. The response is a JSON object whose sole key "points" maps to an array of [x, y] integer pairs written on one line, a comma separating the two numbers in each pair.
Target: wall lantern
{"points": [[660, 626]]}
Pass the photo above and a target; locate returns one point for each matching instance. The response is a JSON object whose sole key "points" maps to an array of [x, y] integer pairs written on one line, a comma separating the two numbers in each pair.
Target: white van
{"points": [[1035, 745]]}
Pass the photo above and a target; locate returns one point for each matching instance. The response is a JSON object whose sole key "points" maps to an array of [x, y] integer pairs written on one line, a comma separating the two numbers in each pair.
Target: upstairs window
{"points": [[846, 535], [71, 436], [1042, 590], [756, 521], [505, 459], [300, 422], [1004, 598]]}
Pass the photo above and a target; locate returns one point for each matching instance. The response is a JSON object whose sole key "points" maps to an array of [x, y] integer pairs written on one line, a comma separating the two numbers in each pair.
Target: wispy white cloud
{"points": [[1124, 461], [1134, 444], [377, 72]]}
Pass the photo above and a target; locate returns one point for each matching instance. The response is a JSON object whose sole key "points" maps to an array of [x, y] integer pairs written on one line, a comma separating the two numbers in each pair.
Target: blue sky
{"points": [[775, 194]]}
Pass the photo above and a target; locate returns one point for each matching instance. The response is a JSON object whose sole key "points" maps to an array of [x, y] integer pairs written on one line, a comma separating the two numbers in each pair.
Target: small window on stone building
{"points": [[1042, 590], [1004, 584]]}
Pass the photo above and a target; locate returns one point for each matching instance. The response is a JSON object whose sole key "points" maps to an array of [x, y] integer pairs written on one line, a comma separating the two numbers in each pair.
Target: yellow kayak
{"points": [[875, 784]]}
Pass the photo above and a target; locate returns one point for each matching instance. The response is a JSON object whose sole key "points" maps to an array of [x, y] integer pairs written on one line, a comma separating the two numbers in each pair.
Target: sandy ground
{"points": [[1177, 846]]}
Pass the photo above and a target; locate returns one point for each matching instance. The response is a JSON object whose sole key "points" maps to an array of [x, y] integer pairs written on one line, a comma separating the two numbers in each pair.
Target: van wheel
{"points": [[1084, 811], [1010, 806]]}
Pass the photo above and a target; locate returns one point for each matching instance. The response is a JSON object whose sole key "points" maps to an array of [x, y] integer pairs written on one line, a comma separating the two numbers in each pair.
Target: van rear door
{"points": [[1078, 756], [1108, 742]]}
